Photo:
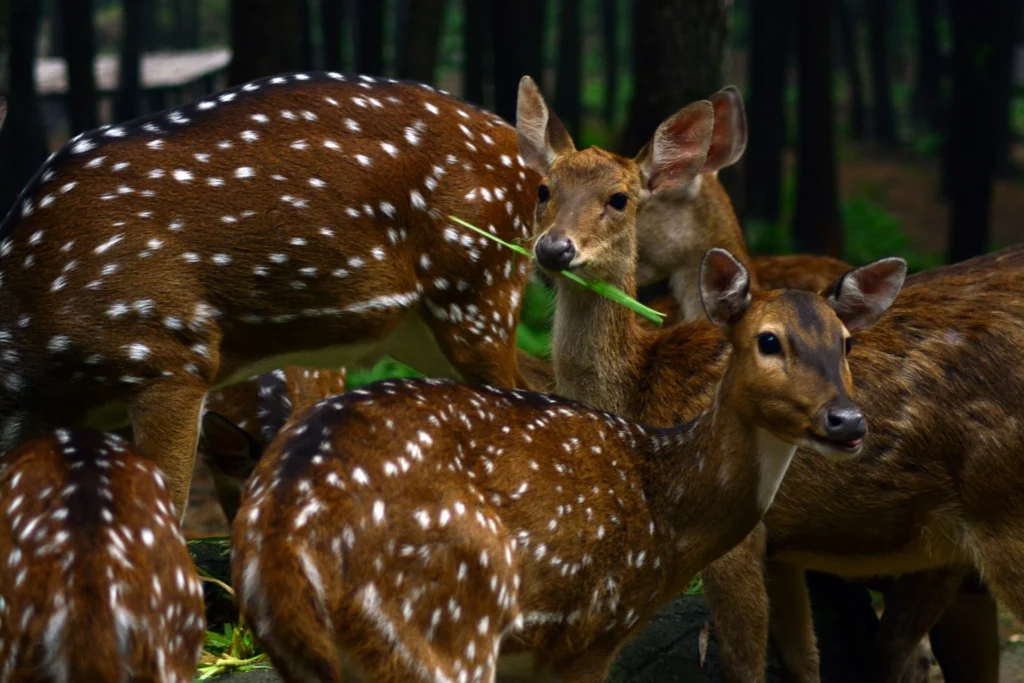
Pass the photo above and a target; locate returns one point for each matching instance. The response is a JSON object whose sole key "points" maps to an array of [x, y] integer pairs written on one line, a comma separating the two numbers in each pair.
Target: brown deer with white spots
{"points": [[935, 490], [96, 583], [421, 529], [299, 219]]}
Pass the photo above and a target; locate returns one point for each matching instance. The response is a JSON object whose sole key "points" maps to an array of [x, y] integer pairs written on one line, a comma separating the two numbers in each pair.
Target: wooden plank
{"points": [[159, 70]]}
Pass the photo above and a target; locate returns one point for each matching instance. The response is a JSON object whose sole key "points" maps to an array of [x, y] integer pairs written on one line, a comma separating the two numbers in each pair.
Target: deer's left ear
{"points": [[724, 287], [541, 134], [860, 296], [676, 153]]}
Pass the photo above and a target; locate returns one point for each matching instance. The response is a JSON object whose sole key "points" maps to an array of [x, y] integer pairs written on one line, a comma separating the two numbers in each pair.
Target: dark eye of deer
{"points": [[618, 201], [849, 344], [768, 344], [543, 193]]}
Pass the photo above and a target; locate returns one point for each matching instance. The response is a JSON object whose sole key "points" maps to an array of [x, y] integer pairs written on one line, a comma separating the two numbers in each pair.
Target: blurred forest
{"points": [[876, 126]]}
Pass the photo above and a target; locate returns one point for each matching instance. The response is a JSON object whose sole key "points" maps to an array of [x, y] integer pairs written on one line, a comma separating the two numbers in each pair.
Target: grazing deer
{"points": [[679, 224], [96, 583], [299, 219], [419, 529], [934, 489]]}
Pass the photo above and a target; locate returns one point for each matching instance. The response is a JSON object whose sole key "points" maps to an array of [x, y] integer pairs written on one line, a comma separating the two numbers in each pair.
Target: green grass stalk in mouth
{"points": [[603, 288]]}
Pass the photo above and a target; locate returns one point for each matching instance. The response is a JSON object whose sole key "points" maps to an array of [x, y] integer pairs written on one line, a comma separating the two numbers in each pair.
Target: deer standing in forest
{"points": [[934, 489], [299, 219]]}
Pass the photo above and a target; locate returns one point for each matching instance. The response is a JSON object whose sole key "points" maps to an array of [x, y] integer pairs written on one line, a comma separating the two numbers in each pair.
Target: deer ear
{"points": [[860, 296], [542, 136], [724, 287], [676, 153], [729, 136], [229, 446]]}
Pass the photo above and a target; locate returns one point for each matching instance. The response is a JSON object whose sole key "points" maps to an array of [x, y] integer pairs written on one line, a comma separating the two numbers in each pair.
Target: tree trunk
{"points": [[129, 83], [517, 40], [884, 117], [56, 14], [532, 29], [610, 40], [474, 32], [419, 42], [848, 34], [23, 138], [771, 25], [187, 24], [80, 53], [264, 39], [983, 34], [816, 228], [570, 69], [926, 102], [679, 55], [306, 60], [369, 37], [332, 19]]}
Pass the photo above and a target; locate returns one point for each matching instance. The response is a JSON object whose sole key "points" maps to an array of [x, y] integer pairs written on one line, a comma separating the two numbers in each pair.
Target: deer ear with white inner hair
{"points": [[729, 137], [676, 153], [724, 287], [861, 296], [542, 135]]}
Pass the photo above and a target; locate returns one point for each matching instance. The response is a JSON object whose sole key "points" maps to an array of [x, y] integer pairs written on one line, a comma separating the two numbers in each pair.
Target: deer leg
{"points": [[1001, 560], [792, 624], [735, 590], [913, 604], [965, 641], [165, 419]]}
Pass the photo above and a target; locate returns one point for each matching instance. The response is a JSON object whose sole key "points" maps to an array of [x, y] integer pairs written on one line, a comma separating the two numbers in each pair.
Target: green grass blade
{"points": [[603, 288]]}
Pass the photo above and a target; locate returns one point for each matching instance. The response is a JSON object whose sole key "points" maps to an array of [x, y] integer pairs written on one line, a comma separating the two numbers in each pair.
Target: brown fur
{"points": [[87, 520], [935, 485], [289, 257]]}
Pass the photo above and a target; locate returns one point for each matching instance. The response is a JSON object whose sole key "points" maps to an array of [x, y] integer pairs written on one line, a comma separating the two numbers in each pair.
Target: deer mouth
{"points": [[851, 446]]}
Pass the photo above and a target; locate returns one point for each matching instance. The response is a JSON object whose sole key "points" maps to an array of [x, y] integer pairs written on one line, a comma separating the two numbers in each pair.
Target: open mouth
{"points": [[851, 446]]}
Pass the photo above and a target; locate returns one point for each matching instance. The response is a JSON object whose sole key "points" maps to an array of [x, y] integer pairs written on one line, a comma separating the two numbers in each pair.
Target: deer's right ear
{"points": [[724, 287], [729, 136], [542, 136], [229, 446], [860, 296], [679, 148]]}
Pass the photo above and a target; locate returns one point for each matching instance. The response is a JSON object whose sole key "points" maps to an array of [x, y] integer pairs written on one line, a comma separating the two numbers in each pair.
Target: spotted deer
{"points": [[96, 583], [679, 224], [933, 490], [299, 219], [421, 529]]}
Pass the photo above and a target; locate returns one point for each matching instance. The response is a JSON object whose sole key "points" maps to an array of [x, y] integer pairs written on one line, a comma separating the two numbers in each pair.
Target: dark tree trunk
{"points": [[926, 102], [517, 40], [848, 34], [23, 137], [1005, 128], [369, 37], [80, 54], [610, 40], [264, 39], [474, 37], [884, 117], [570, 68], [187, 24], [420, 37], [531, 23], [771, 25], [56, 14], [983, 34], [306, 60], [666, 35], [128, 104], [332, 18], [816, 228]]}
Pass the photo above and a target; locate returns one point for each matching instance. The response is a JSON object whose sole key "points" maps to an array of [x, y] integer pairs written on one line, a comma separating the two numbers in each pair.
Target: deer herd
{"points": [[197, 280]]}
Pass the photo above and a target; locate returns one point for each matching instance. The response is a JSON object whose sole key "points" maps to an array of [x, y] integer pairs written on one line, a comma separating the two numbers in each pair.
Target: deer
{"points": [[423, 529], [97, 583], [920, 500], [298, 219]]}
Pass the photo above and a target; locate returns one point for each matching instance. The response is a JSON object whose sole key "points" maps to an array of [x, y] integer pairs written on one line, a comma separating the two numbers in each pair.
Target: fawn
{"points": [[922, 496], [299, 219], [97, 583], [418, 529]]}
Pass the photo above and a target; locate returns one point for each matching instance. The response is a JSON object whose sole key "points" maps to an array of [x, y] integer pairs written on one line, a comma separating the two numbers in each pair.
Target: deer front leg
{"points": [[792, 623], [913, 604], [734, 588], [965, 641], [165, 418]]}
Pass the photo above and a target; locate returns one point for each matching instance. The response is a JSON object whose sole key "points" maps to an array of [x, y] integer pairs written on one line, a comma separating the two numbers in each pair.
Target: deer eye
{"points": [[768, 344], [543, 193], [849, 344], [618, 201]]}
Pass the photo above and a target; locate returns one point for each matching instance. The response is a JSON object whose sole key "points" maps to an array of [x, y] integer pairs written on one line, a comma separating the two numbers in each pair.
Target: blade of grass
{"points": [[603, 288]]}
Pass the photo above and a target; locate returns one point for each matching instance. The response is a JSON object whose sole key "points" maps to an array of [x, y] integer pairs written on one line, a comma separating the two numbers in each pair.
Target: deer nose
{"points": [[555, 252], [845, 424]]}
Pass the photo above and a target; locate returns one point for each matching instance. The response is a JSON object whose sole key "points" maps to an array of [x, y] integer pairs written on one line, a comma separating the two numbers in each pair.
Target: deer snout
{"points": [[554, 251], [845, 424]]}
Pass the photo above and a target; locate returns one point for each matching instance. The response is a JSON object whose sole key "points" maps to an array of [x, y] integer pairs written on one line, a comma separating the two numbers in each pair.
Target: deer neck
{"points": [[710, 482], [594, 345]]}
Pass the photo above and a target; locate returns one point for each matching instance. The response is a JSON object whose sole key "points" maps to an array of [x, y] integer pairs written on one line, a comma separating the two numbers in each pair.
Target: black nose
{"points": [[555, 252], [845, 424]]}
